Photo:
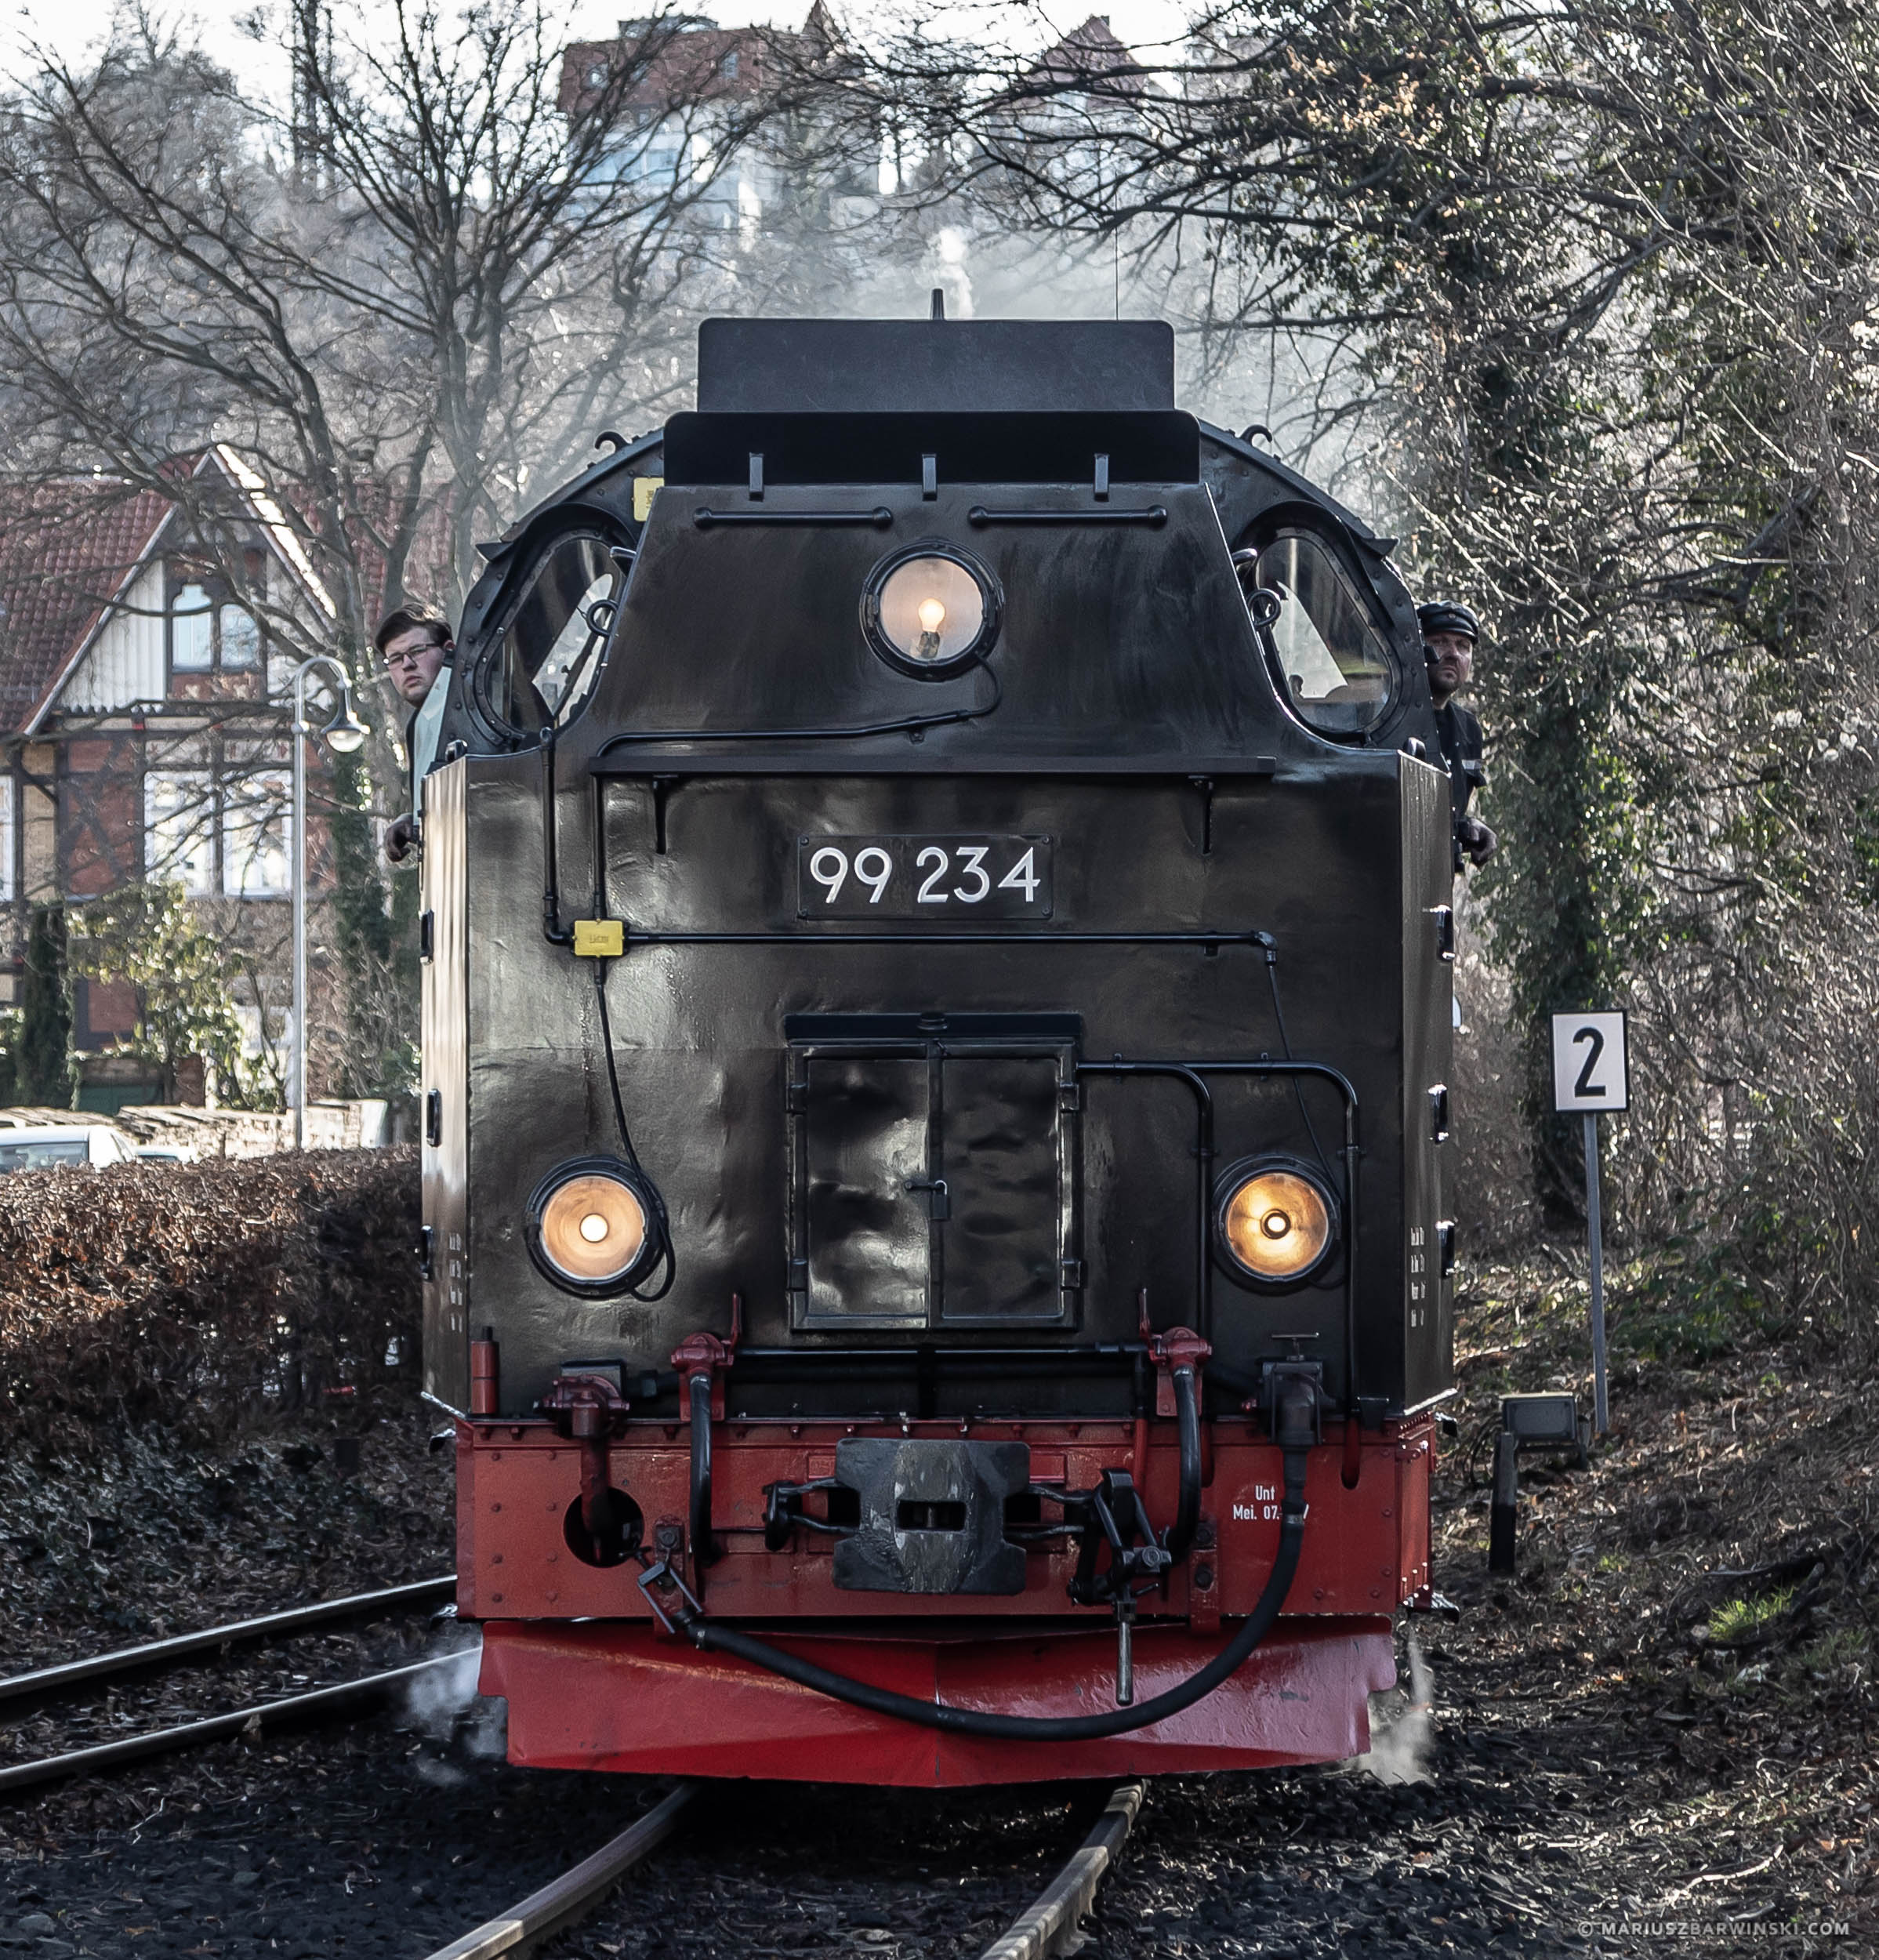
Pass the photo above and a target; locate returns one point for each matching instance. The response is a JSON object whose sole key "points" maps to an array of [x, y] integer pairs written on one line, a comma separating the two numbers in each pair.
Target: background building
{"points": [[144, 673]]}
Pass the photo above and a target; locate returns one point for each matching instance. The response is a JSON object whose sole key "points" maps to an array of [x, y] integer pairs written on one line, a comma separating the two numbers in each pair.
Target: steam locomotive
{"points": [[936, 939]]}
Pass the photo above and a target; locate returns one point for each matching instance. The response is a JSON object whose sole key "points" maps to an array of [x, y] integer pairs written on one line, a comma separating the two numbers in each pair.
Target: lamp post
{"points": [[343, 734]]}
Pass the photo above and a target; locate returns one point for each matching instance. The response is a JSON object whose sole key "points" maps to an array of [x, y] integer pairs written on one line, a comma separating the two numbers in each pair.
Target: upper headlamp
{"points": [[1273, 1221], [929, 610], [594, 1226]]}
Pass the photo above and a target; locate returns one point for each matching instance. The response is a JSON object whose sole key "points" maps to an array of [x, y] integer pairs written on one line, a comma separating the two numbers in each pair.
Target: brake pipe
{"points": [[1186, 1408], [1293, 1422]]}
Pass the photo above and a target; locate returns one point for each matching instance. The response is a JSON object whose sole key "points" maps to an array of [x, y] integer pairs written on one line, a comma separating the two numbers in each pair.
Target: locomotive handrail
{"points": [[879, 518], [1155, 514], [913, 726]]}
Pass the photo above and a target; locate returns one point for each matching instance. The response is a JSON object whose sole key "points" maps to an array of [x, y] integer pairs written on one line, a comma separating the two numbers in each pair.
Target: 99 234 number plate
{"points": [[936, 879]]}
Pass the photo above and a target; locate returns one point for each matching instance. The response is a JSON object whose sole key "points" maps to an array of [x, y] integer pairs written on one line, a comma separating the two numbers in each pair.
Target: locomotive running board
{"points": [[602, 1695]]}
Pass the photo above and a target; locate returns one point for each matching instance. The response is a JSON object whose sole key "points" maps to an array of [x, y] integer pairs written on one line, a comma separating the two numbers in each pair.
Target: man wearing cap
{"points": [[1449, 631], [416, 643]]}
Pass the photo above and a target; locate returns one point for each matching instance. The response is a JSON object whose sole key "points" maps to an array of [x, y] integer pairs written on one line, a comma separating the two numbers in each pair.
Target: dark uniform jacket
{"points": [[1460, 734]]}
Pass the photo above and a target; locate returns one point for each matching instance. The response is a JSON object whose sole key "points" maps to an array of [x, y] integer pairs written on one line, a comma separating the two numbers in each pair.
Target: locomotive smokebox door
{"points": [[935, 1170], [933, 1515]]}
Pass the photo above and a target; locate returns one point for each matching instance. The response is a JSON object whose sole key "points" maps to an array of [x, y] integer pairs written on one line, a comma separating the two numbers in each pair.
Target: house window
{"points": [[9, 891], [257, 836], [232, 836], [241, 638], [210, 631], [179, 828], [730, 66], [192, 635], [651, 154]]}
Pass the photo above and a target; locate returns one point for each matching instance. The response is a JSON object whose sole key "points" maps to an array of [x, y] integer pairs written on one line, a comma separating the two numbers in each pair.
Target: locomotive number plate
{"points": [[937, 878]]}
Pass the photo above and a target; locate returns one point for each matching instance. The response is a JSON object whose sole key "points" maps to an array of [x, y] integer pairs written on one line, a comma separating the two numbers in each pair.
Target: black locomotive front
{"points": [[936, 1023]]}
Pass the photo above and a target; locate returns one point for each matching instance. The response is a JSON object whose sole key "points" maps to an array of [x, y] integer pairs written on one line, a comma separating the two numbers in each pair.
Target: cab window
{"points": [[543, 669], [1336, 667]]}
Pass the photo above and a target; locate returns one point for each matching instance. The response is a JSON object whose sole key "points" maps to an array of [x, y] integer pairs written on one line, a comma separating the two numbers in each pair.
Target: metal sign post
{"points": [[1591, 1072]]}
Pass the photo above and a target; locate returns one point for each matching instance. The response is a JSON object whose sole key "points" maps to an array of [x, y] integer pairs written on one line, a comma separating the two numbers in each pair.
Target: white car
{"points": [[42, 1146]]}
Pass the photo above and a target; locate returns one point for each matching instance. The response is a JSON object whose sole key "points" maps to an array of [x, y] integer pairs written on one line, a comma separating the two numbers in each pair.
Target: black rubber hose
{"points": [[1187, 1407], [1092, 1728], [704, 1549], [553, 931]]}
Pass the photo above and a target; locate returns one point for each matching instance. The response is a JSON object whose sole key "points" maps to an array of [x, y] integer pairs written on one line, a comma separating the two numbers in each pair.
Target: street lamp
{"points": [[343, 734]]}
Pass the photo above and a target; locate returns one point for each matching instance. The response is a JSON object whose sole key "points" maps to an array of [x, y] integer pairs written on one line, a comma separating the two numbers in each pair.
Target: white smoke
{"points": [[1402, 1730], [946, 268], [443, 1705]]}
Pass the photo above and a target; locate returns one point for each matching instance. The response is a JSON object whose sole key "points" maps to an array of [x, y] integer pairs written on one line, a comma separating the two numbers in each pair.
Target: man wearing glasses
{"points": [[416, 642]]}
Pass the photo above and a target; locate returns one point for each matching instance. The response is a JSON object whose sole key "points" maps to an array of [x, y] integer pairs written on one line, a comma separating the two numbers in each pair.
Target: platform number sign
{"points": [[1590, 1070]]}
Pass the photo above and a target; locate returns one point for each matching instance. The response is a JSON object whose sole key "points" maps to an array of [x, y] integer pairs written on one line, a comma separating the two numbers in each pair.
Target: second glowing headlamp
{"points": [[1275, 1223]]}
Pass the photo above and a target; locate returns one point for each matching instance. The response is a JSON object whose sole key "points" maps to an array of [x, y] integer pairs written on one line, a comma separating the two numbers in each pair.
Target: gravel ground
{"points": [[1665, 1719], [393, 1836], [374, 1840], [149, 1538]]}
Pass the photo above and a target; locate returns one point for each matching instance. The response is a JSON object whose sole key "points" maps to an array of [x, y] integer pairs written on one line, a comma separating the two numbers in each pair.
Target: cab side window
{"points": [[1337, 666], [543, 669]]}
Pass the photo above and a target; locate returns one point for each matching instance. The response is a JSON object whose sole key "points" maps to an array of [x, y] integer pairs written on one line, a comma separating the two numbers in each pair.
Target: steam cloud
{"points": [[1402, 1732], [443, 1705]]}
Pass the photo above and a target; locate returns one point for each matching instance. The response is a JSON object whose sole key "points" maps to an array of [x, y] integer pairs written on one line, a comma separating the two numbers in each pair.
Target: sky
{"points": [[69, 28]]}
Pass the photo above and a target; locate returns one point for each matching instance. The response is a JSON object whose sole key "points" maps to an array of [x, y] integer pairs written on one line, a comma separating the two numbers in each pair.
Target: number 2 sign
{"points": [[1590, 1070]]}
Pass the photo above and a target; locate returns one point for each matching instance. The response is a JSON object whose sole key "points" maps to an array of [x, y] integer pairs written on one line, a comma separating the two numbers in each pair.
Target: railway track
{"points": [[1048, 1924], [341, 1700], [344, 1698], [43, 1683]]}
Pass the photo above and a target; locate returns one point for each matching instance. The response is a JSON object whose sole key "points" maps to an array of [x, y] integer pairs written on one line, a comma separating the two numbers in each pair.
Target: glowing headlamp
{"points": [[929, 610], [594, 1224], [1273, 1221]]}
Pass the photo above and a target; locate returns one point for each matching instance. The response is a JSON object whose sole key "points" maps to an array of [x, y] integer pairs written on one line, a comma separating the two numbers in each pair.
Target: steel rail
{"points": [[158, 1654], [577, 1892], [1051, 1922], [348, 1698]]}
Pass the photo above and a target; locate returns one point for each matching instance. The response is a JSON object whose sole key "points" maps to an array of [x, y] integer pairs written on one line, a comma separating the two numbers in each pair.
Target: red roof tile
{"points": [[66, 548], [682, 67]]}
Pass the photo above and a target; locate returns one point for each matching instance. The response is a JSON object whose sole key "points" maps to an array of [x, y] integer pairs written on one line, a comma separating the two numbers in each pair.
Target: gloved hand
{"points": [[1477, 840]]}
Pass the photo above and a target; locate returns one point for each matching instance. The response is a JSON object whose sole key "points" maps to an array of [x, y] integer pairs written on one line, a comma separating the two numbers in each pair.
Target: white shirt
{"points": [[423, 737]]}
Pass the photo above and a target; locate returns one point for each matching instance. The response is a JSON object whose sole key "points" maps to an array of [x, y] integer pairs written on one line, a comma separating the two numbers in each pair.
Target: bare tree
{"points": [[402, 304], [1597, 290]]}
